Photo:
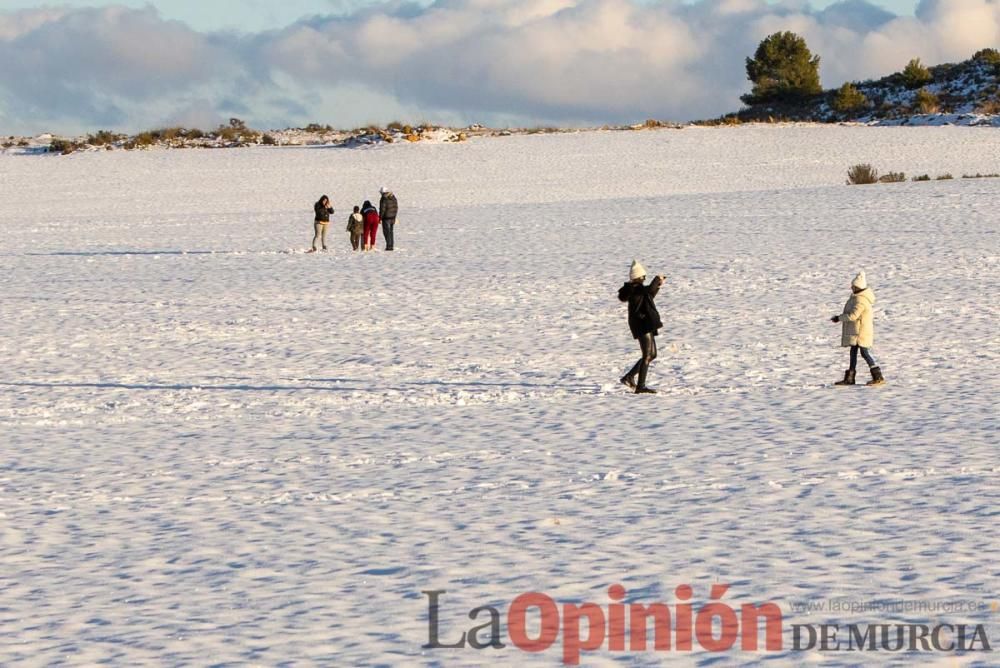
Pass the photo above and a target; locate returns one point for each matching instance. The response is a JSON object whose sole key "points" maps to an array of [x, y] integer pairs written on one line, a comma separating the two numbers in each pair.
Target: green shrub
{"points": [[988, 56], [926, 102], [102, 138], [150, 137], [862, 174], [849, 99], [229, 134], [63, 146], [915, 74], [945, 177], [268, 140], [892, 177], [171, 134], [237, 134], [977, 175], [922, 177], [727, 119]]}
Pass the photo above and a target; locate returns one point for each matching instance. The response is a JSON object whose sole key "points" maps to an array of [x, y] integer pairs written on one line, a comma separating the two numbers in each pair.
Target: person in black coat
{"points": [[644, 321], [322, 220], [388, 206]]}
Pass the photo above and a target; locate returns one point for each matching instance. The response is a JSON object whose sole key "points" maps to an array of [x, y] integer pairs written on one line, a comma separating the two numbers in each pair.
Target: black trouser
{"points": [[864, 353], [387, 226], [647, 343]]}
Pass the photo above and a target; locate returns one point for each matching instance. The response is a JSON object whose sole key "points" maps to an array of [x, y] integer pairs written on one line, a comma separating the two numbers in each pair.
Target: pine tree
{"points": [[782, 69]]}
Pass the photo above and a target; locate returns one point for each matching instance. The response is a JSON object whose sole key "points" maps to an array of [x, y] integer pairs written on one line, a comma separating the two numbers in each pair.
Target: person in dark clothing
{"points": [[387, 209], [322, 220], [644, 321]]}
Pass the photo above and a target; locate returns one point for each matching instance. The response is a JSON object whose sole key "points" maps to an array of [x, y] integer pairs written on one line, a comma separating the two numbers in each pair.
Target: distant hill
{"points": [[237, 135], [965, 93]]}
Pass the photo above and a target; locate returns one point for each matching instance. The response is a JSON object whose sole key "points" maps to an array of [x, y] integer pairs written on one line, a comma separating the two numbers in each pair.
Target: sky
{"points": [[258, 15], [80, 65], [244, 15]]}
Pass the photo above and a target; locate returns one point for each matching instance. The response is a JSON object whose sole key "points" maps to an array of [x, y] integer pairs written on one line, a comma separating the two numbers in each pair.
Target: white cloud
{"points": [[534, 60], [95, 64]]}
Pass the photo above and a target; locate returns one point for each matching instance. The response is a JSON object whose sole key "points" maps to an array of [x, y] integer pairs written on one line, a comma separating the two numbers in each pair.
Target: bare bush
{"points": [[862, 174], [892, 177], [926, 102], [989, 107]]}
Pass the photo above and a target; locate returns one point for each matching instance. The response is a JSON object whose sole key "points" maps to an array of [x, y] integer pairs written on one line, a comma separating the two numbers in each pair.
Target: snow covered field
{"points": [[218, 449]]}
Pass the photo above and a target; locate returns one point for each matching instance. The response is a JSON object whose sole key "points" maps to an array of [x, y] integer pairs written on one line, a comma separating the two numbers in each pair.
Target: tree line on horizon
{"points": [[785, 75]]}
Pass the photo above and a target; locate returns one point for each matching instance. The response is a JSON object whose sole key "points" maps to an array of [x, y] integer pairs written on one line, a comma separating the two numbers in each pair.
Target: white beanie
{"points": [[383, 190], [860, 281], [637, 271]]}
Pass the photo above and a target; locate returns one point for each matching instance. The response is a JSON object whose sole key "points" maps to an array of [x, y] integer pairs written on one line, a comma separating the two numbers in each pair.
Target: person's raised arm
{"points": [[654, 287]]}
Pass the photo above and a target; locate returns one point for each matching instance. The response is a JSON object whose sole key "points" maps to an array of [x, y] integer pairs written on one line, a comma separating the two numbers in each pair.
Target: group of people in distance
{"points": [[363, 223], [857, 322]]}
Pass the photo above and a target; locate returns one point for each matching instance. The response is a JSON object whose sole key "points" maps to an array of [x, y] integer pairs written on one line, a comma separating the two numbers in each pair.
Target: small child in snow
{"points": [[643, 321], [356, 226], [858, 330]]}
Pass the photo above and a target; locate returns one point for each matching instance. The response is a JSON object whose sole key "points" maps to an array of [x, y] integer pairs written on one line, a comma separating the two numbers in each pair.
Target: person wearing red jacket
{"points": [[370, 215]]}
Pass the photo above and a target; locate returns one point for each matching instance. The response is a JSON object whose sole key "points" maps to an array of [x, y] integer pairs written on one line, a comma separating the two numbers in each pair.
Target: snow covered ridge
{"points": [[181, 138], [965, 93], [238, 135]]}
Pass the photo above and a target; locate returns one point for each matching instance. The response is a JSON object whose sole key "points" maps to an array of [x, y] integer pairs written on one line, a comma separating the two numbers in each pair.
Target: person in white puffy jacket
{"points": [[858, 330]]}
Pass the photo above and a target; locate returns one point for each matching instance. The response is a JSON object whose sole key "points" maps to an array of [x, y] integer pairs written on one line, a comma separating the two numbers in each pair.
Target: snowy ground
{"points": [[218, 449]]}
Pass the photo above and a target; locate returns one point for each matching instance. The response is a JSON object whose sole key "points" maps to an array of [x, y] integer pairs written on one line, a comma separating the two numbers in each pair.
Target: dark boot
{"points": [[849, 376], [640, 386], [628, 379], [877, 378]]}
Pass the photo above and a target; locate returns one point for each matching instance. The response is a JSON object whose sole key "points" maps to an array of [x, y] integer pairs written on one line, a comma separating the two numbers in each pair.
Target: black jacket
{"points": [[388, 207], [322, 212], [643, 317]]}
